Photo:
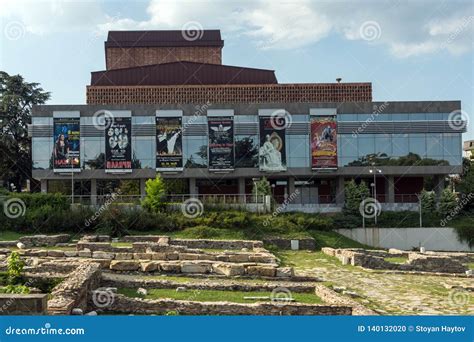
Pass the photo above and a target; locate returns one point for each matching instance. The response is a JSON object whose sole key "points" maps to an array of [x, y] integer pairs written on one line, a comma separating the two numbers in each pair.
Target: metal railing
{"points": [[216, 199]]}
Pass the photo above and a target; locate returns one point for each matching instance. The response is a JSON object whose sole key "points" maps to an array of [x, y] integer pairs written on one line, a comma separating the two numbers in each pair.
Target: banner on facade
{"points": [[221, 143], [67, 142], [272, 155], [169, 144], [118, 144], [323, 142]]}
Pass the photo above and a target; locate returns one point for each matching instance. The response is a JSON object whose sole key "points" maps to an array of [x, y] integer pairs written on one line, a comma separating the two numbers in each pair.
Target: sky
{"points": [[409, 50]]}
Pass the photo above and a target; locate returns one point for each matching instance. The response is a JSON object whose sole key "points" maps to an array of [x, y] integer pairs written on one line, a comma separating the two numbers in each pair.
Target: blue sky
{"points": [[409, 50]]}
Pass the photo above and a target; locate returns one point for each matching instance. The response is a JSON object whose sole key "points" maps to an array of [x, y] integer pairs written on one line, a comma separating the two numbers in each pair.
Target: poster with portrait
{"points": [[67, 143], [169, 144], [118, 144], [323, 142], [272, 154], [221, 143]]}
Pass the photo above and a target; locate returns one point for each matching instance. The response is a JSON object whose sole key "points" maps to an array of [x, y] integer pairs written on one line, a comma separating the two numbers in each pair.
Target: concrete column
{"points": [[439, 186], [242, 197], [44, 185], [291, 185], [192, 186], [142, 188], [93, 191], [340, 195], [390, 189]]}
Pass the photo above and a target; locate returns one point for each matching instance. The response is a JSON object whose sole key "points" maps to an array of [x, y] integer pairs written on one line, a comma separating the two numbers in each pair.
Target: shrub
{"points": [[155, 193], [447, 202], [428, 201], [14, 267]]}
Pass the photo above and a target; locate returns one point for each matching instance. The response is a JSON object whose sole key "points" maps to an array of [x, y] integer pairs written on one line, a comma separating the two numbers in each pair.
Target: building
{"points": [[469, 149], [167, 104]]}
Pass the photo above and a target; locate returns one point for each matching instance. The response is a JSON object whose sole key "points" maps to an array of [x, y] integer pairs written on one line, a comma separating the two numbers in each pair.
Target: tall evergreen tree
{"points": [[16, 100]]}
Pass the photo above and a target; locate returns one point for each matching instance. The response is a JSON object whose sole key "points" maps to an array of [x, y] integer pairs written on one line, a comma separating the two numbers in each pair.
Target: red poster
{"points": [[323, 142]]}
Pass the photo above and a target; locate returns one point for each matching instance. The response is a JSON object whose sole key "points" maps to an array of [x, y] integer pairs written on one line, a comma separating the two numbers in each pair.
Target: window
{"points": [[143, 153], [418, 144], [297, 151], [195, 151], [400, 145], [41, 152], [246, 151]]}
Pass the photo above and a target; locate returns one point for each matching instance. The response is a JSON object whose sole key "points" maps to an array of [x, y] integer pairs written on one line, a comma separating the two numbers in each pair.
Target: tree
{"points": [[354, 195], [428, 202], [16, 100], [155, 193], [447, 202], [262, 187], [466, 185]]}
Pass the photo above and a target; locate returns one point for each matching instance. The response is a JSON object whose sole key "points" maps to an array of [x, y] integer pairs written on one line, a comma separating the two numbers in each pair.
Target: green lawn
{"points": [[334, 240], [10, 236], [216, 296], [396, 260]]}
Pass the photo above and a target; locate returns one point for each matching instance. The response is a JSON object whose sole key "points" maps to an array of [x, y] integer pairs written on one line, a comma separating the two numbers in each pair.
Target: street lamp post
{"points": [[374, 185]]}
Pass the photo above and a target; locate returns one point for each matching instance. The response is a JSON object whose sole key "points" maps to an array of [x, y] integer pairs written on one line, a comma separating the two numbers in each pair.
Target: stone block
{"points": [[70, 254], [150, 266], [56, 254], [261, 271], [142, 256], [227, 269], [188, 256], [102, 255], [222, 257], [124, 265], [84, 254], [285, 272], [170, 267], [172, 256], [123, 256], [194, 267], [239, 258], [263, 258], [158, 256]]}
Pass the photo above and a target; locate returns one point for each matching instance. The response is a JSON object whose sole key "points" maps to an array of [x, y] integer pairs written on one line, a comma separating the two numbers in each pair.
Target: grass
{"points": [[10, 236], [217, 296], [396, 260], [334, 240], [470, 265], [121, 244]]}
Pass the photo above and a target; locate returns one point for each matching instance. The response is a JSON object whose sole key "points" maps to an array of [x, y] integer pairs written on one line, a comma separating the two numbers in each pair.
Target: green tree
{"points": [[428, 201], [16, 100], [262, 187], [155, 193], [466, 184], [14, 267], [447, 202], [352, 197], [364, 191]]}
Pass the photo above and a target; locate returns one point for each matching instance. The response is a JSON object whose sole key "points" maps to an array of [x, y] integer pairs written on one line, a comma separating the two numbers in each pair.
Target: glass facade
{"points": [[353, 150]]}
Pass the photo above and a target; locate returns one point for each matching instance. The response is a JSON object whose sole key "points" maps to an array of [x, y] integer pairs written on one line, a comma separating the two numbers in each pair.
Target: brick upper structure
{"points": [[124, 49], [169, 67], [278, 93]]}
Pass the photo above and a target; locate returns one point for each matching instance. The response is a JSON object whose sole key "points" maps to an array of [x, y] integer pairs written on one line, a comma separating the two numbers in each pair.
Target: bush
{"points": [[39, 199], [428, 202], [447, 202], [14, 268], [155, 194]]}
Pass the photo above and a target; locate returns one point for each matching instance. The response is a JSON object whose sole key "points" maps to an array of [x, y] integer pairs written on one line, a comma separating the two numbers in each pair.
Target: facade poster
{"points": [[272, 155], [323, 142], [67, 142], [118, 144], [221, 143], [169, 144]]}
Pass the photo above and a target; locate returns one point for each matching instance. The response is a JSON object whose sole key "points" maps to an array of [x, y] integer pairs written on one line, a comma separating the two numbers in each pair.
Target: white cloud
{"points": [[405, 29], [41, 17]]}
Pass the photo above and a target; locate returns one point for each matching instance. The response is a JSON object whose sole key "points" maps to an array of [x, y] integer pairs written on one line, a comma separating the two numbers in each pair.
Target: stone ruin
{"points": [[433, 262], [91, 268]]}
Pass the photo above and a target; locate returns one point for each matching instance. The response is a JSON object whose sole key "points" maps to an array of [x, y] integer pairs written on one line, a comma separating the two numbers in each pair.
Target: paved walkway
{"points": [[391, 293]]}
